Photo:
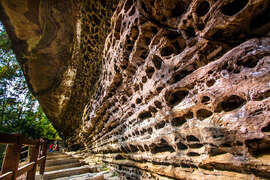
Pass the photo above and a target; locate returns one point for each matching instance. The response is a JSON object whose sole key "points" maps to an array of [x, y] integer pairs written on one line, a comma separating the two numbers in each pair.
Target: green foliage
{"points": [[5, 44], [19, 109]]}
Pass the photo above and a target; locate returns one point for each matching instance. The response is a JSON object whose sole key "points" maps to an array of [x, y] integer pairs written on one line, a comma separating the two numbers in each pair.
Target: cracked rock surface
{"points": [[172, 88]]}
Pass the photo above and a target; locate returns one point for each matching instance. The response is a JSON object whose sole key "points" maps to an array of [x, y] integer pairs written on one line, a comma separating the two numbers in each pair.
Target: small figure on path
{"points": [[56, 147], [51, 148]]}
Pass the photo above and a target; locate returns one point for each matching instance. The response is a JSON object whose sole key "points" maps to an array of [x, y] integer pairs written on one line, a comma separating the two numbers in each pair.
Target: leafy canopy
{"points": [[19, 109]]}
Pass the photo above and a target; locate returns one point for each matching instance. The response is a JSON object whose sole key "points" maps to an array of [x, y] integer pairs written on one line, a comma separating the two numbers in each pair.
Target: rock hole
{"points": [[141, 148], [181, 43], [232, 102], [203, 8], [205, 100], [166, 51], [144, 54], [203, 114], [119, 157], [217, 35], [160, 125], [163, 146], [216, 151], [177, 76], [195, 146], [124, 99], [193, 154], [141, 86], [193, 166], [144, 7], [251, 62], [144, 131], [234, 7], [262, 19], [211, 82], [147, 40], [179, 9], [184, 165], [118, 24], [158, 104], [129, 47], [164, 19], [122, 149], [132, 11], [184, 21], [144, 115], [152, 109], [258, 146], [173, 98], [172, 35], [133, 148], [262, 95], [266, 128], [190, 32], [178, 121], [136, 87], [159, 89], [154, 29], [138, 101], [181, 146], [227, 144], [134, 33], [128, 4], [177, 48], [189, 115], [161, 163], [201, 26], [146, 148], [157, 61], [96, 19], [123, 67], [144, 79], [150, 71], [192, 138], [150, 130], [238, 143], [131, 69]]}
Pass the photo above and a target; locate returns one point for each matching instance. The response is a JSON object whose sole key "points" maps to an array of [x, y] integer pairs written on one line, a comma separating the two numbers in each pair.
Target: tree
{"points": [[19, 109]]}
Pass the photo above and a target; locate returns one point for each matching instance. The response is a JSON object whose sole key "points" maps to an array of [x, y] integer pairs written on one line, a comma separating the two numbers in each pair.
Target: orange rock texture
{"points": [[156, 88]]}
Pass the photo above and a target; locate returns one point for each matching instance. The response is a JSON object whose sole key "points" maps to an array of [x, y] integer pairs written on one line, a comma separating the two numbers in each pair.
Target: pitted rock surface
{"points": [[168, 89]]}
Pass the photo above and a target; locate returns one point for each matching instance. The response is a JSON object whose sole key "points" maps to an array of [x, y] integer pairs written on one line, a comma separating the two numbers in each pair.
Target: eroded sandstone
{"points": [[181, 89]]}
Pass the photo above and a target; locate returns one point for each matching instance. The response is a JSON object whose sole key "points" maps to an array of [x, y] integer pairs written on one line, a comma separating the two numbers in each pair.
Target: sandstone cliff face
{"points": [[181, 89], [59, 45]]}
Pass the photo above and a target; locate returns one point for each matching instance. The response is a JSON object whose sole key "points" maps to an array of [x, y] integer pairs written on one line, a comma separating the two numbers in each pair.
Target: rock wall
{"points": [[182, 89], [59, 47]]}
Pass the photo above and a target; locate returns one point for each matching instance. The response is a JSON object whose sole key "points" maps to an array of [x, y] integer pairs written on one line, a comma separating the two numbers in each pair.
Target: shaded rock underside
{"points": [[177, 89]]}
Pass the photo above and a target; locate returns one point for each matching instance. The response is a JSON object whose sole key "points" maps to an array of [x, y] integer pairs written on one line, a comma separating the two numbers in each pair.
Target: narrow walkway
{"points": [[62, 166]]}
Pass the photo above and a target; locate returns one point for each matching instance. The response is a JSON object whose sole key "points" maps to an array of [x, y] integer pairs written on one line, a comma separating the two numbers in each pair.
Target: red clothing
{"points": [[51, 146]]}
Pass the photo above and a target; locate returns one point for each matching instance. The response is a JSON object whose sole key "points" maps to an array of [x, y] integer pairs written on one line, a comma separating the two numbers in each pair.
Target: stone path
{"points": [[62, 166]]}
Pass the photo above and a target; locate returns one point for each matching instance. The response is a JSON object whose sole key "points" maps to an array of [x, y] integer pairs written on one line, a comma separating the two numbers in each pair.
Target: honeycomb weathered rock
{"points": [[183, 91]]}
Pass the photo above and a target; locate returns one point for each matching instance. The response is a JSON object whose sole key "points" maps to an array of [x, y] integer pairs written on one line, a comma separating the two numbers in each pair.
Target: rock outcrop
{"points": [[59, 46], [173, 88]]}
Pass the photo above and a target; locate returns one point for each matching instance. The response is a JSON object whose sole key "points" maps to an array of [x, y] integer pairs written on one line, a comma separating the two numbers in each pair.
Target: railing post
{"points": [[34, 151], [43, 153], [12, 158]]}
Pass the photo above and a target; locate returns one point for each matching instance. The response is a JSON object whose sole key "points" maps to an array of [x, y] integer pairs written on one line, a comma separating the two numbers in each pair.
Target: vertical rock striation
{"points": [[179, 88]]}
